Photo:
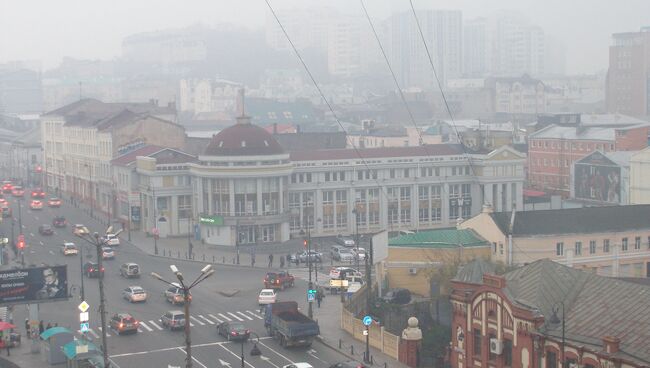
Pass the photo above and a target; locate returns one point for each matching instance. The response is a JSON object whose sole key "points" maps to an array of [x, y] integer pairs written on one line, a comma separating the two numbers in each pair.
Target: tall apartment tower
{"points": [[628, 77]]}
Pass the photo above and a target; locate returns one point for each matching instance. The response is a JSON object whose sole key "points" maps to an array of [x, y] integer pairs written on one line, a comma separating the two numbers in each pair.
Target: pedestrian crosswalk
{"points": [[208, 319]]}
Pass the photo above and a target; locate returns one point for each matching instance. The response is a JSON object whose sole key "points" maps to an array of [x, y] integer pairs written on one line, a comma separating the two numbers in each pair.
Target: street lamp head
{"points": [[206, 268], [157, 276], [109, 230], [174, 269], [208, 274], [96, 235], [119, 232]]}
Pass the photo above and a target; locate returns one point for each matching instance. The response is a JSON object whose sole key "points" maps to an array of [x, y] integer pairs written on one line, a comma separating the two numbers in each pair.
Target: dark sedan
{"points": [[59, 221], [45, 230], [233, 331]]}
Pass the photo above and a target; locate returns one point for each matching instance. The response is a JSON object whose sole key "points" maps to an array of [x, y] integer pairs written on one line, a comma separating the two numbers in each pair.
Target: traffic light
{"points": [[21, 242], [304, 243]]}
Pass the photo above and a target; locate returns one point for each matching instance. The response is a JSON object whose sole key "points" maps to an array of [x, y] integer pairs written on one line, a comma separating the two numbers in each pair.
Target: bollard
{"points": [[194, 256], [213, 259], [203, 256], [372, 362], [385, 365], [178, 254], [340, 343], [351, 349]]}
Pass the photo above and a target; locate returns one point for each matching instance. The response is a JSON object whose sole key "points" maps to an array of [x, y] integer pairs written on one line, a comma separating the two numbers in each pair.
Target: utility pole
{"points": [[154, 229], [81, 268], [310, 311], [102, 302]]}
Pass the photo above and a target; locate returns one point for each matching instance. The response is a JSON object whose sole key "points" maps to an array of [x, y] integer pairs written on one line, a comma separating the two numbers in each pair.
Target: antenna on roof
{"points": [[241, 113]]}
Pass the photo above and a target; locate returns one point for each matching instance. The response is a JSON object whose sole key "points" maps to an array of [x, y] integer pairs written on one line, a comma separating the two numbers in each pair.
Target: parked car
{"points": [[6, 210], [134, 294], [130, 270], [7, 187], [233, 330], [173, 319], [91, 269], [69, 249], [108, 253], [341, 253], [59, 222], [359, 253], [348, 364], [36, 204], [38, 193], [397, 296], [18, 192], [124, 322], [278, 280], [111, 239], [298, 365], [54, 202], [345, 241], [45, 230], [267, 296], [80, 230], [335, 272], [314, 256], [174, 294]]}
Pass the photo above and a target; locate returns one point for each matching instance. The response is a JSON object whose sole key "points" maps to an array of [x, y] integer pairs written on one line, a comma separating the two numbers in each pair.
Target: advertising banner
{"points": [[34, 285]]}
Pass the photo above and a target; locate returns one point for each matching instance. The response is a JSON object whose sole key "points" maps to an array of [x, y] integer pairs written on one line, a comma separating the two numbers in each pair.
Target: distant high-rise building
{"points": [[443, 32], [307, 28], [21, 91], [476, 47], [628, 77], [517, 47]]}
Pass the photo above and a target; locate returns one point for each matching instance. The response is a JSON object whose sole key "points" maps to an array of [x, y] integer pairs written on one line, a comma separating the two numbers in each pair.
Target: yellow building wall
{"points": [[483, 225]]}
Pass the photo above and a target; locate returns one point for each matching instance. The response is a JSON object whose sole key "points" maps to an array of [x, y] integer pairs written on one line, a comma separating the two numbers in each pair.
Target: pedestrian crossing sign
{"points": [[311, 295], [84, 327]]}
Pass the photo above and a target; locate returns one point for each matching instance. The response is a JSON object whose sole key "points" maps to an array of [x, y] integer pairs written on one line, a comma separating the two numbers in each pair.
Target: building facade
{"points": [[602, 178], [543, 315], [640, 177]]}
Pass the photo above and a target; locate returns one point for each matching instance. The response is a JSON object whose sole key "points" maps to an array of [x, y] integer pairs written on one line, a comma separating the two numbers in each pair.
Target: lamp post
{"points": [[206, 272], [310, 311], [555, 320], [90, 187], [99, 242], [20, 231], [153, 219], [356, 236], [81, 270]]}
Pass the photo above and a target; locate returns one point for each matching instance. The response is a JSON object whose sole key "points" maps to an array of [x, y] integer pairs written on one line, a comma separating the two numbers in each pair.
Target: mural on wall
{"points": [[598, 179]]}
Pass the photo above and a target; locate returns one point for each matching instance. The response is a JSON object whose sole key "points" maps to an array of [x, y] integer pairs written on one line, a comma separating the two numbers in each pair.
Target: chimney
{"points": [[487, 208], [611, 344], [242, 118]]}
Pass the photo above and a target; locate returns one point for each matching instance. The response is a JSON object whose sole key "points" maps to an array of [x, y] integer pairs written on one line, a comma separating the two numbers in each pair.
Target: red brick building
{"points": [[553, 149], [543, 314]]}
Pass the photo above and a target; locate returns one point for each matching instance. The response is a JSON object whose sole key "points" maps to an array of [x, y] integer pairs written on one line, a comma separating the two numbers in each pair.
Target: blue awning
{"points": [[54, 331]]}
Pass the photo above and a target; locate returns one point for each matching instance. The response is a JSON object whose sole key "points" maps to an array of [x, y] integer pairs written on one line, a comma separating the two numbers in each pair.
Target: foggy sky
{"points": [[50, 30]]}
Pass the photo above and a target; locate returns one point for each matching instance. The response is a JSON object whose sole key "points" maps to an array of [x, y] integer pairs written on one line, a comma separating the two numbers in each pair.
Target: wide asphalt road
{"points": [[154, 346]]}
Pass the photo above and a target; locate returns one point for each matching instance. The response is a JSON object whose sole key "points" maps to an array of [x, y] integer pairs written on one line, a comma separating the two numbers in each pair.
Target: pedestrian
{"points": [[27, 328], [41, 328], [8, 343], [56, 325], [281, 262], [49, 325], [252, 259], [270, 260], [319, 297]]}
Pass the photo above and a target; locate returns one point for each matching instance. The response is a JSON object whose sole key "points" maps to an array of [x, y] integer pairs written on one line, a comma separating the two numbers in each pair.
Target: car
{"points": [[359, 253], [314, 256], [59, 222], [7, 187], [267, 296], [38, 193], [3, 200], [54, 202], [348, 364], [69, 249], [111, 239], [134, 294], [233, 330], [6, 210], [345, 241], [123, 323], [45, 230], [36, 204], [173, 319], [18, 192], [298, 365], [278, 280], [108, 253], [397, 296], [335, 272], [91, 269], [79, 230], [341, 253], [130, 270], [174, 294]]}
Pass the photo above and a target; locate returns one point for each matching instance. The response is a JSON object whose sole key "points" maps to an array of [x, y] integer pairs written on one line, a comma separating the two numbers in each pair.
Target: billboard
{"points": [[34, 285], [598, 181]]}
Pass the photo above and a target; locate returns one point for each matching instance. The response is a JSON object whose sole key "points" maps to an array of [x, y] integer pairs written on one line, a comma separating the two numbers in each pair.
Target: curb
{"points": [[8, 364], [345, 353]]}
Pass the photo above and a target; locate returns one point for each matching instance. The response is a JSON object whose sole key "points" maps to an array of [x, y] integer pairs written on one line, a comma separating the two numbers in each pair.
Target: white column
{"points": [[488, 195], [444, 211], [415, 206], [499, 205], [231, 196], [519, 196], [615, 260], [258, 195], [281, 195], [509, 202], [199, 192]]}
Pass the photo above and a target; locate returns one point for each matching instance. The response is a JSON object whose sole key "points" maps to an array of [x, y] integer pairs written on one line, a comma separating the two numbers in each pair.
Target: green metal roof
{"points": [[439, 238], [54, 331], [70, 349]]}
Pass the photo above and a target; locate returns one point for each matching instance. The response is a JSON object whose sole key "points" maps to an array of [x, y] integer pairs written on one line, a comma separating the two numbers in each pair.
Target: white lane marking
{"points": [[234, 315], [40, 242], [155, 325], [224, 317], [312, 353], [197, 320], [31, 234], [107, 334], [140, 330], [193, 358], [216, 318], [191, 324], [181, 347], [245, 316], [52, 253], [145, 326], [254, 314], [276, 352], [268, 360], [36, 217], [205, 319], [236, 356], [93, 333]]}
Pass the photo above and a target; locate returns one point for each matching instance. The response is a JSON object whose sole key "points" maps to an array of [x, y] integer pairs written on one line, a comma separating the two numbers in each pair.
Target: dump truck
{"points": [[285, 322]]}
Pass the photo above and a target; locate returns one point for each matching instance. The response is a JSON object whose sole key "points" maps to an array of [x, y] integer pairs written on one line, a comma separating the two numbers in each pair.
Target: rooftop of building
{"points": [[619, 158], [606, 134], [243, 139], [130, 157], [439, 238], [587, 220], [381, 152]]}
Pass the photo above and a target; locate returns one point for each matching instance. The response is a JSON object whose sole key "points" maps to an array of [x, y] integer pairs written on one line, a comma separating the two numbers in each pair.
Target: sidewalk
{"points": [[22, 357]]}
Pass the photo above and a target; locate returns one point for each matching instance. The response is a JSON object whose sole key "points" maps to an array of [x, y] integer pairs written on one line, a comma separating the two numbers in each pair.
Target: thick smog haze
{"points": [[49, 31]]}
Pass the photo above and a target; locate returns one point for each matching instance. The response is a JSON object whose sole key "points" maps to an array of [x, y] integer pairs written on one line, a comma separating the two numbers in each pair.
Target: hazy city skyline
{"points": [[49, 31]]}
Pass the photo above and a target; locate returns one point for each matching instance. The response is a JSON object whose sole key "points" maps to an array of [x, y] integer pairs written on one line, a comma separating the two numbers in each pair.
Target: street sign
{"points": [[367, 321], [338, 283], [83, 317], [311, 295], [84, 327], [83, 306], [365, 332]]}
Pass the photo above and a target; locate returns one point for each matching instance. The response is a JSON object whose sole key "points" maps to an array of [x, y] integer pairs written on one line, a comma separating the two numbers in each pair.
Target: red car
{"points": [[38, 193], [7, 187], [278, 280], [54, 202], [18, 192]]}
